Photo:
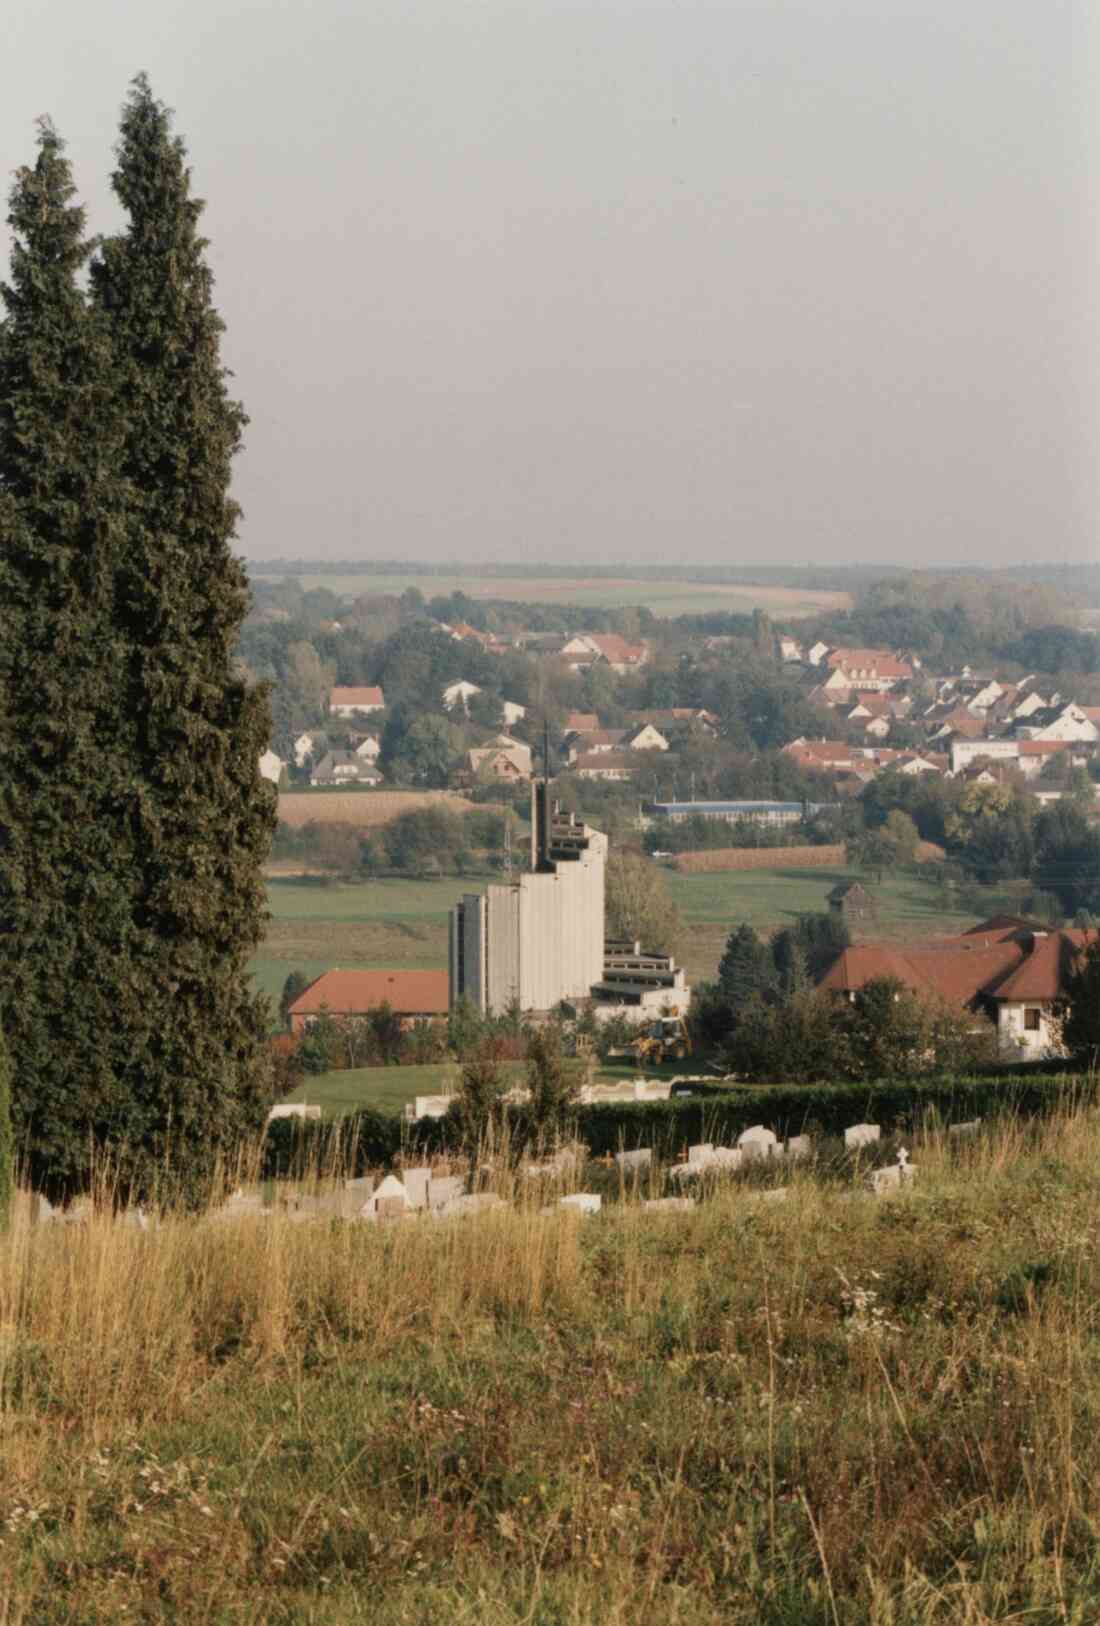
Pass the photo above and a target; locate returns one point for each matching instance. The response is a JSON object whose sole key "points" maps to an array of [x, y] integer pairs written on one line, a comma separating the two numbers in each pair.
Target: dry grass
{"points": [[362, 809], [833, 1409]]}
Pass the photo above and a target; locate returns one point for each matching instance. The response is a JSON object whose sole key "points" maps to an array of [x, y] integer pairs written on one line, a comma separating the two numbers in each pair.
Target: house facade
{"points": [[345, 701]]}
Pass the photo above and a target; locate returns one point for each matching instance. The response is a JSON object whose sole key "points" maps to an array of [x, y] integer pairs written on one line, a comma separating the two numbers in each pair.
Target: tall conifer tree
{"points": [[195, 730], [65, 900], [133, 819]]}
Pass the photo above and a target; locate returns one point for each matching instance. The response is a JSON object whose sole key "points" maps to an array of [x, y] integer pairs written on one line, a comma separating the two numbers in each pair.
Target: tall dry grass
{"points": [[831, 1409]]}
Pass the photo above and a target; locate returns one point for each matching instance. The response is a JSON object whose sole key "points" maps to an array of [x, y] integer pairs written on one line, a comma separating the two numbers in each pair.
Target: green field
{"points": [[404, 923], [683, 597]]}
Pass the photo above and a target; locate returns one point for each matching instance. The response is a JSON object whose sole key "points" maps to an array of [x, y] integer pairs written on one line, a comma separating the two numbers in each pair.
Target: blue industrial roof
{"points": [[737, 807]]}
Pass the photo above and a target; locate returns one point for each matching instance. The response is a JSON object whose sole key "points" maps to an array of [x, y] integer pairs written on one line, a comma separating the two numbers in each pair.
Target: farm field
{"points": [[366, 809], [404, 923], [670, 598]]}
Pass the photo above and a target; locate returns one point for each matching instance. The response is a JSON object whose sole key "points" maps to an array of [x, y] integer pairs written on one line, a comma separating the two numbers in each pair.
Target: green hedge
{"points": [[788, 1109], [369, 1139]]}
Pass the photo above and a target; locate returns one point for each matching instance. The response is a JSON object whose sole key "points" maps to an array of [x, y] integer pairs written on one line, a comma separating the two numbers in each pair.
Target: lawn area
{"points": [[404, 923], [387, 1089], [768, 898]]}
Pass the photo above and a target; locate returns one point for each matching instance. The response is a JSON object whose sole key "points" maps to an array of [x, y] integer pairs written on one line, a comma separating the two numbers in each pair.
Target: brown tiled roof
{"points": [[351, 696], [879, 660], [606, 762], [1044, 973], [581, 722], [616, 649], [351, 993], [1043, 748], [1001, 958]]}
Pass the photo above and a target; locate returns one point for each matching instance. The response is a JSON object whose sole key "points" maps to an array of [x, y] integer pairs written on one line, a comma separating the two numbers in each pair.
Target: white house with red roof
{"points": [[346, 700]]}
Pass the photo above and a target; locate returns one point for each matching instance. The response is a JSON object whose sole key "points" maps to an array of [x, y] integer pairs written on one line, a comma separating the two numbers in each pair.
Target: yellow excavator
{"points": [[666, 1039]]}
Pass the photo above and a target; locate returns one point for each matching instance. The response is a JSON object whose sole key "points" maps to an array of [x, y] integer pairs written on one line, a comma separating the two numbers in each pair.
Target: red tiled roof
{"points": [[606, 762], [351, 696], [616, 649], [581, 722], [1001, 958], [878, 660], [1042, 748], [1044, 973], [352, 993]]}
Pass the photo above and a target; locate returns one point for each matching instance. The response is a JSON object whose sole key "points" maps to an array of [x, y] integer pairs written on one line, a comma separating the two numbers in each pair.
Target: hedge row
{"points": [[370, 1139]]}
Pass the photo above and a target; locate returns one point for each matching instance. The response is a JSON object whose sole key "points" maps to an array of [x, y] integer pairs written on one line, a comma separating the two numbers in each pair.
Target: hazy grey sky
{"points": [[753, 280]]}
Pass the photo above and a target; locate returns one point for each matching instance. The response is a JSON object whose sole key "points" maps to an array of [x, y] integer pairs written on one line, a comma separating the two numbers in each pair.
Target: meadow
{"points": [[833, 1410], [681, 597], [404, 923]]}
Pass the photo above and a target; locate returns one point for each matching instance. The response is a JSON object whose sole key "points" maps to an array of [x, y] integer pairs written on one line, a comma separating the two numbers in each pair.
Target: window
{"points": [[1032, 1019]]}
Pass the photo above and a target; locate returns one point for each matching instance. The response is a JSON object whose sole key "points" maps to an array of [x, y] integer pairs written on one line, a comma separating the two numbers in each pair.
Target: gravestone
{"points": [[701, 1154], [641, 1159], [416, 1183], [585, 1202], [893, 1176], [390, 1207], [970, 1127], [799, 1146], [757, 1142], [862, 1135], [478, 1202], [445, 1189]]}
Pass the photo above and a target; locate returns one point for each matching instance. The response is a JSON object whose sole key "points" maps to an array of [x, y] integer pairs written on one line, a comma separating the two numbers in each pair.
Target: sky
{"points": [[653, 281]]}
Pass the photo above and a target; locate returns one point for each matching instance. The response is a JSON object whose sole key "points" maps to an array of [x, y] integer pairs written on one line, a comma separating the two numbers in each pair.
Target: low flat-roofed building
{"points": [[412, 995], [733, 812]]}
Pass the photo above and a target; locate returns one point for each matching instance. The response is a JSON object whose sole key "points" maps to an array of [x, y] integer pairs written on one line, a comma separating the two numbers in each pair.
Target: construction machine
{"points": [[665, 1039]]}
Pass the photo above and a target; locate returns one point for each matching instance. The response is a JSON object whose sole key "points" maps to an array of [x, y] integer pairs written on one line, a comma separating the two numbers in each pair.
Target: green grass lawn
{"points": [[387, 1089], [767, 898]]}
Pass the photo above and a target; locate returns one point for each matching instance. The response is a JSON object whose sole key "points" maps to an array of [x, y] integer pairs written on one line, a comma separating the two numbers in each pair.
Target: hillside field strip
{"points": [[365, 809], [670, 598], [387, 923]]}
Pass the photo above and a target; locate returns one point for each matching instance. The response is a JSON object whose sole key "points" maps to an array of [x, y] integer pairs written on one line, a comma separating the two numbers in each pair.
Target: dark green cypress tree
{"points": [[65, 905], [746, 969], [194, 730]]}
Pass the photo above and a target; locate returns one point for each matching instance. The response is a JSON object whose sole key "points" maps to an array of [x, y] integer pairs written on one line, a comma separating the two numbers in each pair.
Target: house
{"points": [[600, 739], [865, 669], [1005, 969], [817, 653], [852, 901], [1070, 722], [666, 717], [511, 712], [581, 722], [605, 764], [964, 752], [511, 762], [344, 768], [458, 694], [414, 996], [305, 746], [789, 648], [824, 755], [645, 738], [345, 701], [369, 748], [585, 649], [272, 766]]}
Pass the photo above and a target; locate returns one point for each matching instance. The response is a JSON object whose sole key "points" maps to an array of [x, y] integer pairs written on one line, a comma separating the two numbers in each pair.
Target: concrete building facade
{"points": [[537, 940]]}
